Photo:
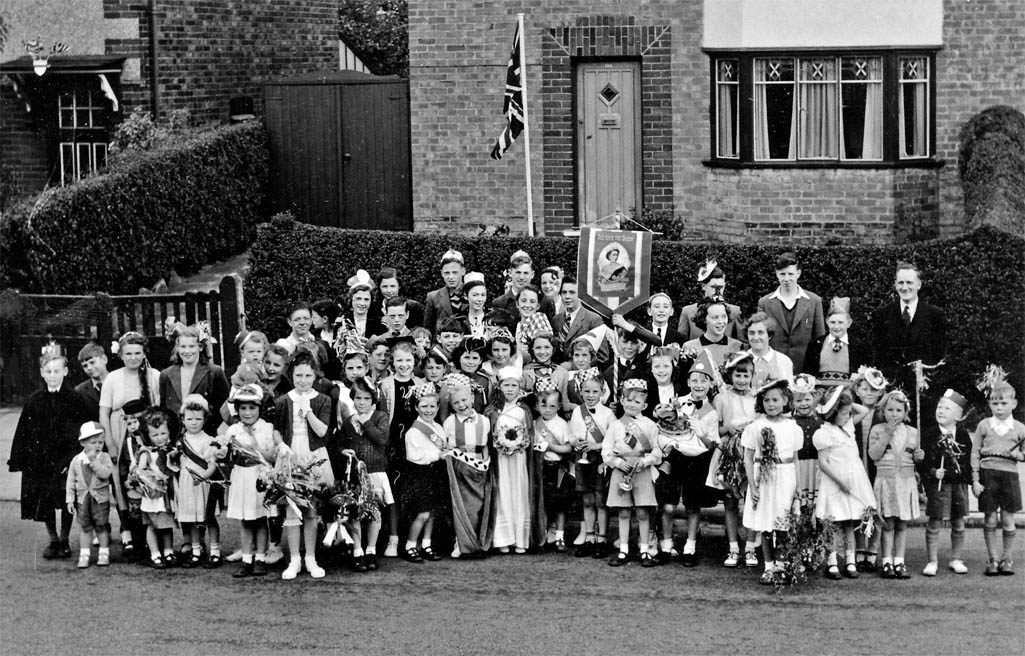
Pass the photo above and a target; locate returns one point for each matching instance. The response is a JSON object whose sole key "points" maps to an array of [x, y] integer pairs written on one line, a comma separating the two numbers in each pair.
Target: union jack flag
{"points": [[512, 104]]}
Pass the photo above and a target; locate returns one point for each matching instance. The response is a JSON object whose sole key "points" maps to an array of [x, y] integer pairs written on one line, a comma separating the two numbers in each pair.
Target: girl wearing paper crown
{"points": [[467, 360], [588, 425], [552, 439], [467, 438], [519, 518], [424, 490], [532, 322]]}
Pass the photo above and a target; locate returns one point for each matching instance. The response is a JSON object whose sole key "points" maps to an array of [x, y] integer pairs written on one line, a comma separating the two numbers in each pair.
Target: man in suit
{"points": [[93, 359], [521, 274], [575, 321], [713, 287], [447, 301], [907, 330], [797, 312]]}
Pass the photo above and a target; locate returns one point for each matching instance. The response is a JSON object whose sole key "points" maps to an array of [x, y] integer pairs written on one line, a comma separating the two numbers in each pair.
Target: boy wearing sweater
{"points": [[87, 493]]}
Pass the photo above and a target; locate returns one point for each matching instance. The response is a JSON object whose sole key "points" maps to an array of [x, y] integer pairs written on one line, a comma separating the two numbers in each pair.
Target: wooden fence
{"points": [[30, 321]]}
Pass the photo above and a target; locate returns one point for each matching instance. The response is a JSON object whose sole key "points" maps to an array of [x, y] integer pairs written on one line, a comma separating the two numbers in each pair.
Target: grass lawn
{"points": [[551, 604]]}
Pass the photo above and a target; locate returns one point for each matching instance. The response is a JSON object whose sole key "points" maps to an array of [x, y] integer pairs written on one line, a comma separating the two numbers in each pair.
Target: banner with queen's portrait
{"points": [[614, 269]]}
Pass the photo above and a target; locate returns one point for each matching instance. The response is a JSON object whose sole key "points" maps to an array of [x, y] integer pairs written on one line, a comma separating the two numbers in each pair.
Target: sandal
{"points": [[213, 562], [412, 555]]}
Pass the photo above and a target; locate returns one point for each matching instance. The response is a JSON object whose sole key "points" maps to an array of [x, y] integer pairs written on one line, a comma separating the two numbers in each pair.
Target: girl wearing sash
{"points": [[587, 426], [136, 380], [553, 441], [425, 487], [197, 507], [468, 462]]}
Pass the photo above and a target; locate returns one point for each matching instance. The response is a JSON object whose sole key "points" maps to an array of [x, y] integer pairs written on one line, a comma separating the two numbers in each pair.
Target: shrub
{"points": [[178, 207], [977, 278], [992, 167]]}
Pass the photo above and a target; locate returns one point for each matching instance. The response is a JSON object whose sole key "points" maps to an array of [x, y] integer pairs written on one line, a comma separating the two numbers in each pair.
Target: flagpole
{"points": [[526, 125]]}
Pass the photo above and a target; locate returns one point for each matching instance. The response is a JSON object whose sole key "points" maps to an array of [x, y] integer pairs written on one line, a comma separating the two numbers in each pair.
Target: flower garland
{"points": [[511, 439], [766, 465], [731, 466]]}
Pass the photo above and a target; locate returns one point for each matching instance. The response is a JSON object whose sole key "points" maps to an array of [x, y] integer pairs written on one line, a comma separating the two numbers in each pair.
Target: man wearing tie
{"points": [[574, 322], [907, 330]]}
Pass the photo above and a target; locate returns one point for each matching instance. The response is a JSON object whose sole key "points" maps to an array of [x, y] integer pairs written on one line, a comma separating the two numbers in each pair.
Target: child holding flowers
{"points": [[197, 506], [251, 446], [631, 449], [553, 440], [511, 438], [807, 465], [894, 446], [946, 471], [770, 444], [152, 477], [425, 489], [845, 494]]}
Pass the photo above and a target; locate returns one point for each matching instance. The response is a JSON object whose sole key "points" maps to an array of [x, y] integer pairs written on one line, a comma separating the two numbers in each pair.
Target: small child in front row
{"points": [[770, 443], [88, 493], [807, 465], [631, 449], [197, 505], [894, 446], [512, 433], [154, 476], [998, 445], [426, 487], [946, 472], [553, 440], [844, 491], [588, 426]]}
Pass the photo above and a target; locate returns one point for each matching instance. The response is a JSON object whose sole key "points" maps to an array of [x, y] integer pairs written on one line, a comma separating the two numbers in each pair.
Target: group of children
{"points": [[489, 434]]}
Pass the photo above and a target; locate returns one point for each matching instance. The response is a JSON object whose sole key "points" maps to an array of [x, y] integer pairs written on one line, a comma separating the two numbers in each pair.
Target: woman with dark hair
{"points": [[357, 318], [387, 287]]}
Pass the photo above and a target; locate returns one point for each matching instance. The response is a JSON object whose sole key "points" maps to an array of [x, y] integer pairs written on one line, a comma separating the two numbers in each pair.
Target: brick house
{"points": [[157, 55], [795, 120]]}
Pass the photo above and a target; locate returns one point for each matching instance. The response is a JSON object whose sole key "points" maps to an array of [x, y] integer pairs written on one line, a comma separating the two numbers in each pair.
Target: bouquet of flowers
{"points": [[765, 466], [952, 450], [511, 439], [804, 547], [351, 498], [870, 519], [297, 485], [149, 482], [246, 456], [731, 465]]}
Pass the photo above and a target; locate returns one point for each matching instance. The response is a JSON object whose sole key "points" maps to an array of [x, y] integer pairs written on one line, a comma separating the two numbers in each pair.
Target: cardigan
{"points": [[320, 405], [371, 446]]}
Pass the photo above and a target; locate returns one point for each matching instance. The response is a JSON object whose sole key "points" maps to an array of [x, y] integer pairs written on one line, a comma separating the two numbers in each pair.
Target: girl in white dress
{"points": [[771, 443], [844, 491], [511, 439], [198, 464]]}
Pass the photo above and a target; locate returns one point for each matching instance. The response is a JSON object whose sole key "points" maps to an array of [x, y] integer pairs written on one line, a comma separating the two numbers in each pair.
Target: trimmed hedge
{"points": [[177, 207], [992, 168], [977, 278]]}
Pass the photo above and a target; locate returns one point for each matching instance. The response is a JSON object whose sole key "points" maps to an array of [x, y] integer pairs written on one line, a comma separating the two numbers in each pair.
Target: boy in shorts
{"points": [[87, 493]]}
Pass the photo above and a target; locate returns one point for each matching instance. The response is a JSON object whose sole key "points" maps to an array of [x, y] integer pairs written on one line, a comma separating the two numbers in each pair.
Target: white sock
{"points": [[410, 544], [642, 547], [559, 535], [393, 539], [357, 551], [624, 547], [372, 551], [84, 553], [734, 547], [666, 545], [262, 558], [104, 551], [215, 548], [247, 558], [898, 561], [690, 547], [425, 543]]}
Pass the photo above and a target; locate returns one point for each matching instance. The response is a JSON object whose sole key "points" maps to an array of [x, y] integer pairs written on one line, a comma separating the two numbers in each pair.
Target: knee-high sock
{"points": [[1008, 545], [956, 542], [932, 543], [990, 535]]}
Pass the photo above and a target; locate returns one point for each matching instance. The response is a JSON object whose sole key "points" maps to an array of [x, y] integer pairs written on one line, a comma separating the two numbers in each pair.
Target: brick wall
{"points": [[23, 155], [458, 51]]}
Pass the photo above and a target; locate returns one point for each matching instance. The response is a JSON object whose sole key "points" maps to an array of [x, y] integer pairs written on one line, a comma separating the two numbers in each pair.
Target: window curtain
{"points": [[726, 120], [766, 105], [872, 144], [819, 123], [913, 118]]}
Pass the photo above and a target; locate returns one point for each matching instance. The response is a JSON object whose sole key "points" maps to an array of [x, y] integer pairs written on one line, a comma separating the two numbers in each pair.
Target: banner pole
{"points": [[526, 125]]}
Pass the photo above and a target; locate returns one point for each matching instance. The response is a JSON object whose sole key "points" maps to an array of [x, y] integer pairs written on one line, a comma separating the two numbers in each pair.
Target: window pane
{"points": [[819, 126], [67, 163], [85, 160], [775, 134], [99, 156], [83, 118], [861, 104], [914, 111], [727, 111], [66, 118]]}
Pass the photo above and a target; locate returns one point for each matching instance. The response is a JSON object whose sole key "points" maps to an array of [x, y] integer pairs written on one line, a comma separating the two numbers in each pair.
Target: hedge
{"points": [[176, 208], [977, 278], [992, 167]]}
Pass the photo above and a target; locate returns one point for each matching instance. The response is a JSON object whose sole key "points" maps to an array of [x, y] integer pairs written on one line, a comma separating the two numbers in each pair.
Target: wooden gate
{"points": [[339, 144], [608, 139], [32, 320]]}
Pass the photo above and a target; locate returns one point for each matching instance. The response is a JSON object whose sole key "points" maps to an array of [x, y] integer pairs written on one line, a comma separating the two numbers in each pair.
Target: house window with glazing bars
{"points": [[82, 122]]}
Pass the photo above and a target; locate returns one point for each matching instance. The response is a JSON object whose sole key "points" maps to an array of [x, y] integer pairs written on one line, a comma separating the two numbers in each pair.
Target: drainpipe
{"points": [[154, 71]]}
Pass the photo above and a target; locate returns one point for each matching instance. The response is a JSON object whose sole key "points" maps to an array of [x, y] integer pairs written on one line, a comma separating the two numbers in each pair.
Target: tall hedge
{"points": [[992, 167], [977, 278], [178, 207]]}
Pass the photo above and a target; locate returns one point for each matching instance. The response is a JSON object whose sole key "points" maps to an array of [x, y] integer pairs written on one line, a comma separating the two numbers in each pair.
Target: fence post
{"points": [[104, 321], [231, 320]]}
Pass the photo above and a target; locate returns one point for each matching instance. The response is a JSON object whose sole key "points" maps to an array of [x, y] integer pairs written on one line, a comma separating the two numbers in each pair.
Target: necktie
{"points": [[906, 316], [661, 336], [837, 344], [564, 331]]}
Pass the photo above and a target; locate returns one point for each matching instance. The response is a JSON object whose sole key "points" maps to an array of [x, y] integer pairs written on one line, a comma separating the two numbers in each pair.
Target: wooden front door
{"points": [[608, 140]]}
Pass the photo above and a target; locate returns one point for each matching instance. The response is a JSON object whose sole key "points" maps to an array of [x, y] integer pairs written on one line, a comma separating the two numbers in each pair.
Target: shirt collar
{"points": [[800, 293], [843, 338], [769, 356], [724, 340], [1004, 423], [912, 306], [468, 418]]}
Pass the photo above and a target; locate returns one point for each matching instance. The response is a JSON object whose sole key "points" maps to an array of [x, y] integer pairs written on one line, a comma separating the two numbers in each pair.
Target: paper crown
{"points": [[545, 384], [584, 375], [496, 332], [839, 305], [781, 383], [424, 390], [452, 255], [669, 350], [872, 376], [702, 365], [557, 270], [250, 393], [507, 372], [475, 344], [829, 402], [956, 398], [536, 324], [455, 381], [360, 278], [705, 272], [473, 276], [89, 429], [737, 358], [593, 337], [353, 345], [804, 384], [635, 384], [52, 349], [993, 375]]}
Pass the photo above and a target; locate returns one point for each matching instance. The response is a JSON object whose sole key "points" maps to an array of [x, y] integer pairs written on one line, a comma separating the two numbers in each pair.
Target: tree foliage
{"points": [[378, 30]]}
